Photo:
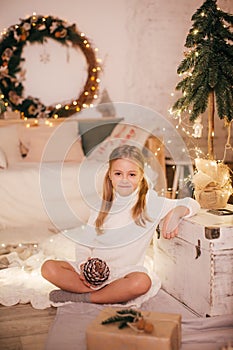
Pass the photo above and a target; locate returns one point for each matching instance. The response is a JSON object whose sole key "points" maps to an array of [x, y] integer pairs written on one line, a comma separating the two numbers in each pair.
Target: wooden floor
{"points": [[23, 327]]}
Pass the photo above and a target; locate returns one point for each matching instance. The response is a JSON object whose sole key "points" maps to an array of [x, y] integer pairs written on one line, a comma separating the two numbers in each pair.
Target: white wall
{"points": [[157, 31], [141, 43], [102, 21]]}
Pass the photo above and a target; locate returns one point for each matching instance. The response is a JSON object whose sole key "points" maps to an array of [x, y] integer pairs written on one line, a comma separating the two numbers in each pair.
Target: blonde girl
{"points": [[119, 234]]}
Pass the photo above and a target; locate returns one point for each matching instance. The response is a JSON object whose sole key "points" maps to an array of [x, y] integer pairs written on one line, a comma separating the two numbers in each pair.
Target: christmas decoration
{"points": [[212, 183], [197, 128], [44, 57], [95, 271], [36, 29], [132, 318], [208, 68], [208, 82], [2, 107]]}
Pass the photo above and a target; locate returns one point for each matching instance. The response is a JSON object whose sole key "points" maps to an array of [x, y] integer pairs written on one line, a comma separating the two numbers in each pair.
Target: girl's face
{"points": [[125, 176]]}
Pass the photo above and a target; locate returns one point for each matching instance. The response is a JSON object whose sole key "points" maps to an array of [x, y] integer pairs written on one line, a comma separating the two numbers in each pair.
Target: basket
{"points": [[212, 198]]}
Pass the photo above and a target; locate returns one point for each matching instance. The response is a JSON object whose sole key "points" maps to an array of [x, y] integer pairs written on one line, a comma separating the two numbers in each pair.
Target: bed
{"points": [[50, 176]]}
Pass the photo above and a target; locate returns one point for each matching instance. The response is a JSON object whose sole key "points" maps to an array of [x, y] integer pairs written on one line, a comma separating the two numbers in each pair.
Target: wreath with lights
{"points": [[36, 29]]}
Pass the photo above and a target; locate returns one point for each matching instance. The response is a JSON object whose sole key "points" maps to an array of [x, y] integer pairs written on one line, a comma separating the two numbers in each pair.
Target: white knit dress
{"points": [[123, 245]]}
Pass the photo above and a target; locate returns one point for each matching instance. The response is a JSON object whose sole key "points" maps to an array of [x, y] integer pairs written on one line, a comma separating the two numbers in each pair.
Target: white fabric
{"points": [[22, 282], [34, 193], [3, 160], [56, 193], [9, 143], [123, 244], [212, 333], [52, 143]]}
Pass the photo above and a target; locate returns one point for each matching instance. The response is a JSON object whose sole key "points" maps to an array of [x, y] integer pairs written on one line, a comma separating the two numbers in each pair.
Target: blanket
{"points": [[69, 326], [55, 193]]}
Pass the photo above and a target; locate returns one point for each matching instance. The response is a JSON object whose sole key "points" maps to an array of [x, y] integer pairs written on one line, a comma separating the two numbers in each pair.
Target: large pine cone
{"points": [[96, 271]]}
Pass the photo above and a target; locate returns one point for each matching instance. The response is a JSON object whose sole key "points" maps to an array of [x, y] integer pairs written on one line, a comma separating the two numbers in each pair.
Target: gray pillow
{"points": [[95, 131]]}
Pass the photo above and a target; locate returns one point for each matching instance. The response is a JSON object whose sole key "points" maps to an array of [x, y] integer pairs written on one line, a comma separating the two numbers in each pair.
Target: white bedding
{"points": [[21, 282], [52, 193], [36, 202]]}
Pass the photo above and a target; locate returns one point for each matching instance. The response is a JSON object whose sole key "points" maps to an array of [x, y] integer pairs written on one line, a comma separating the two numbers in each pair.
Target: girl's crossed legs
{"points": [[64, 276]]}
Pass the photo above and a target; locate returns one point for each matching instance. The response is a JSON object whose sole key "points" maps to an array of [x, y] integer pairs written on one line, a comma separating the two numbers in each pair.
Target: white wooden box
{"points": [[197, 266]]}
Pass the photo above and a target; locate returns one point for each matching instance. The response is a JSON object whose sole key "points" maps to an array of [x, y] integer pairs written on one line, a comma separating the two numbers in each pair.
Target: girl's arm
{"points": [[170, 212], [171, 221]]}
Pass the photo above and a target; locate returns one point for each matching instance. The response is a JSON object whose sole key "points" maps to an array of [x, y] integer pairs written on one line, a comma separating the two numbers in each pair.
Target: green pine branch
{"points": [[208, 63], [123, 316]]}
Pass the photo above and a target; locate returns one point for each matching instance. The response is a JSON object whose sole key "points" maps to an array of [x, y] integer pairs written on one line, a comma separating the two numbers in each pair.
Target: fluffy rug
{"points": [[212, 333]]}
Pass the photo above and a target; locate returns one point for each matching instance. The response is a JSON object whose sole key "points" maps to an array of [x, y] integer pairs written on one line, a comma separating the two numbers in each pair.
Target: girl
{"points": [[128, 216]]}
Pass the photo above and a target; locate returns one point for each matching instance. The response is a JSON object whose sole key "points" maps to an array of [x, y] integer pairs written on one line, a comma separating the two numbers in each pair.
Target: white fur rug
{"points": [[212, 333]]}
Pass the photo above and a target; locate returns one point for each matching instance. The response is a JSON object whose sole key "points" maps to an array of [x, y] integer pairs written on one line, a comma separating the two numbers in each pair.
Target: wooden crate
{"points": [[197, 266]]}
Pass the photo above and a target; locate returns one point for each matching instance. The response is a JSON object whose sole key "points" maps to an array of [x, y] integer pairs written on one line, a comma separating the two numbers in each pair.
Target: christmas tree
{"points": [[208, 68]]}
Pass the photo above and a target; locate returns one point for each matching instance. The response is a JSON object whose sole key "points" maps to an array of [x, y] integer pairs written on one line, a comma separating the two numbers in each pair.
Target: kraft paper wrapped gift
{"points": [[166, 334]]}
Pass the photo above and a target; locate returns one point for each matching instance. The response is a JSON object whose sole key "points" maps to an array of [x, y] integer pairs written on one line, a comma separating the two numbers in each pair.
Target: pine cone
{"points": [[96, 271]]}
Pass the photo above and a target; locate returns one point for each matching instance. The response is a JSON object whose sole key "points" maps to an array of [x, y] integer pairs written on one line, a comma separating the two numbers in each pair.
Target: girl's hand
{"points": [[81, 276], [171, 221]]}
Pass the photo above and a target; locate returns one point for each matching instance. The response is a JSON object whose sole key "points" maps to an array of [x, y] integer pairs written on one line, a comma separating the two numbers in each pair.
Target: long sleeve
{"points": [[158, 207]]}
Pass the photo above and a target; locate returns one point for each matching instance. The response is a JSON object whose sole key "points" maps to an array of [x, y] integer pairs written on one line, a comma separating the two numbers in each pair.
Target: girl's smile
{"points": [[125, 176]]}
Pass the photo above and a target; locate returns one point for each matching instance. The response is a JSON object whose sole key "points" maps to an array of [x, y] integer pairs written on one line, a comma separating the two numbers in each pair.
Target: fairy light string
{"points": [[37, 28]]}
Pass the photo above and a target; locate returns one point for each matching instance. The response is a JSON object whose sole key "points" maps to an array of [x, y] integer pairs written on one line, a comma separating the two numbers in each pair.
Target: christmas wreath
{"points": [[36, 29]]}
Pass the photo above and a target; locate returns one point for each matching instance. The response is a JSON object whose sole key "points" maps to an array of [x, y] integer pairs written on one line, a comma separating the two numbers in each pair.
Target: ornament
{"points": [[197, 127], [44, 57]]}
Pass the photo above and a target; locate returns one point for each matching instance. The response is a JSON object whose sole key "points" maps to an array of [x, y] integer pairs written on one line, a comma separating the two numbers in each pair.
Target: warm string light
{"points": [[59, 29], [38, 122], [183, 124]]}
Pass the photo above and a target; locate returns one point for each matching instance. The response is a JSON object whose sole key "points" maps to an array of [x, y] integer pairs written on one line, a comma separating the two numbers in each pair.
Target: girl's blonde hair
{"points": [[139, 209]]}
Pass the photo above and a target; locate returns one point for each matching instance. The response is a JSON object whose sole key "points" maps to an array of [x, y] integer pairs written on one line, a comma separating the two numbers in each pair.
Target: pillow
{"points": [[9, 143], [93, 132], [121, 134], [51, 144], [3, 161], [131, 132]]}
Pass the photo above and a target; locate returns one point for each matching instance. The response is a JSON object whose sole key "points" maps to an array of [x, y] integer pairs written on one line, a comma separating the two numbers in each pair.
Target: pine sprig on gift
{"points": [[129, 311], [118, 318], [132, 318], [123, 316]]}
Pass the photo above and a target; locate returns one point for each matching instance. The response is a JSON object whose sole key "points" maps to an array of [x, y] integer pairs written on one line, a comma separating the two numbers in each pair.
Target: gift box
{"points": [[166, 333]]}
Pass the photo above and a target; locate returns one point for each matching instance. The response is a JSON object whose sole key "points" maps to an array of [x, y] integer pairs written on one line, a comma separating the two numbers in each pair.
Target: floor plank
{"points": [[33, 342], [24, 328], [11, 344]]}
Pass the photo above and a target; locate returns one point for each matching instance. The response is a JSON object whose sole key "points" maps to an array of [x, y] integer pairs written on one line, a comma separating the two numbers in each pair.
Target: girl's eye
{"points": [[132, 174], [117, 173]]}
